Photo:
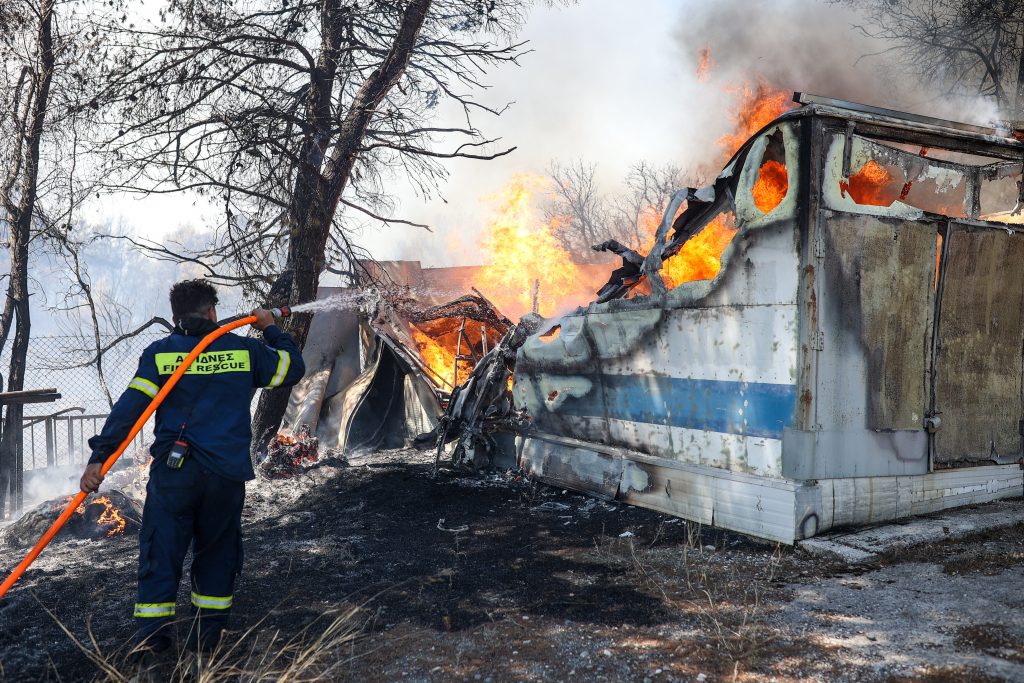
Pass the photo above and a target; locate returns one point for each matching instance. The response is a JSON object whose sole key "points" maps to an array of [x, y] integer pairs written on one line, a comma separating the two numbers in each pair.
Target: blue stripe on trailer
{"points": [[746, 408]]}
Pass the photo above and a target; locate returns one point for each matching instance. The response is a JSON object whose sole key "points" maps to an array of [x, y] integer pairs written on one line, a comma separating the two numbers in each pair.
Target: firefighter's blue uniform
{"points": [[201, 503]]}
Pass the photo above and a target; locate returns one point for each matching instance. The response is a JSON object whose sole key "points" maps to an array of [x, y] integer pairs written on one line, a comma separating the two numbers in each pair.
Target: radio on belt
{"points": [[176, 458]]}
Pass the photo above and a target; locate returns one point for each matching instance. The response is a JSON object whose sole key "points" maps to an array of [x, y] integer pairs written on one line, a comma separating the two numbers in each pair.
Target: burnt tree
{"points": [[973, 48], [294, 117], [28, 105], [50, 66]]}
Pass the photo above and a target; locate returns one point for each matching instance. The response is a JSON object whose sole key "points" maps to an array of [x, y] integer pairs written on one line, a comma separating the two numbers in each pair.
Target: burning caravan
{"points": [[857, 359]]}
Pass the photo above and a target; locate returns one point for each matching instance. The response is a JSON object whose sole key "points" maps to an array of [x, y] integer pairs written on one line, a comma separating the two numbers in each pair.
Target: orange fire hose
{"points": [[136, 428]]}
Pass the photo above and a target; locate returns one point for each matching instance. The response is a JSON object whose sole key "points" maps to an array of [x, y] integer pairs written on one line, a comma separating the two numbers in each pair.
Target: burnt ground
{"points": [[490, 578]]}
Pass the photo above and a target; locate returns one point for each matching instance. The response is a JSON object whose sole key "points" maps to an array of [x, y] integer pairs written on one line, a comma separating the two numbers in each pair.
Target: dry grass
{"points": [[322, 650], [724, 598]]}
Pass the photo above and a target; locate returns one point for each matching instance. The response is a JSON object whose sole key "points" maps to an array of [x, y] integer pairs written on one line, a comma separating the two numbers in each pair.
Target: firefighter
{"points": [[200, 461]]}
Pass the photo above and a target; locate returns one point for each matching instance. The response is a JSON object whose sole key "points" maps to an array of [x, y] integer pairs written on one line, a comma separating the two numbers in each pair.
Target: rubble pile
{"points": [[103, 515], [288, 455]]}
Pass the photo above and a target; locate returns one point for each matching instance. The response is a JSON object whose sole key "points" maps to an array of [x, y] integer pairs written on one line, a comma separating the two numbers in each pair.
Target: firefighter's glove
{"points": [[92, 478], [264, 319]]}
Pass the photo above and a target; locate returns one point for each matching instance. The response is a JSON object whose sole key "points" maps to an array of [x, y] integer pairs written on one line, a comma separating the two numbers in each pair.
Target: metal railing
{"points": [[61, 438]]}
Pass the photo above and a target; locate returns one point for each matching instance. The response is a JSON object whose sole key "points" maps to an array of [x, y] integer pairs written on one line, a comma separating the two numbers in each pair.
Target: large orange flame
{"points": [[523, 254], [440, 360], [757, 108], [771, 186], [700, 258]]}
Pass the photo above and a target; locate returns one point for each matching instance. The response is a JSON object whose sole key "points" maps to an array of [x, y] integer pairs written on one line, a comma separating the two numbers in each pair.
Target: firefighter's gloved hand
{"points": [[264, 319], [92, 478]]}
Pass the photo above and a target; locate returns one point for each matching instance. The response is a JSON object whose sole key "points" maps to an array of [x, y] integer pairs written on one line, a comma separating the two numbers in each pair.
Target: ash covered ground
{"points": [[490, 578]]}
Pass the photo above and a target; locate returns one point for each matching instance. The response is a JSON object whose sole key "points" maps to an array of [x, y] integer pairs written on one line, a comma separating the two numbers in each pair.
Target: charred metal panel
{"points": [[707, 382], [880, 275], [747, 213], [814, 510], [759, 506], [615, 335], [979, 352], [384, 407], [581, 469], [668, 490]]}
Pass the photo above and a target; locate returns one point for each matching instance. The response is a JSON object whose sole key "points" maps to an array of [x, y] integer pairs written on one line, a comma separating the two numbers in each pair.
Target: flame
{"points": [[873, 184], [440, 360], [701, 256], [110, 517], [757, 108], [521, 250], [771, 185], [704, 64]]}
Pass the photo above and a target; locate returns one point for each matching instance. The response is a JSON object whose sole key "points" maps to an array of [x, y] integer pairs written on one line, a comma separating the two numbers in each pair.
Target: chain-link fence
{"points": [[56, 434]]}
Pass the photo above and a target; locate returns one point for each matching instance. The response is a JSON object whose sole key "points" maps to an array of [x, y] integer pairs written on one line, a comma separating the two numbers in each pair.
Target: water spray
{"points": [[78, 499]]}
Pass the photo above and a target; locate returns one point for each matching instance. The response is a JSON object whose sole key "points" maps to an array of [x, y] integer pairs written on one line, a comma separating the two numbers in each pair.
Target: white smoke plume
{"points": [[810, 46]]}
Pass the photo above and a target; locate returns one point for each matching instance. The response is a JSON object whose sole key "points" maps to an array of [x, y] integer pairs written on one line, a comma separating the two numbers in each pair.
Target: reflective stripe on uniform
{"points": [[283, 363], [154, 609], [211, 602], [144, 385]]}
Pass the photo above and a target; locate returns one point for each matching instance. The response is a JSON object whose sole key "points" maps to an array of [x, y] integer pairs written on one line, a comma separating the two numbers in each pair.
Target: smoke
{"points": [[808, 46], [52, 482]]}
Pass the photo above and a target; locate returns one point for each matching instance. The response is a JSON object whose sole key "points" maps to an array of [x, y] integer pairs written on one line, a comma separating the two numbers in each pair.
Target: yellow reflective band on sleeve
{"points": [[144, 385], [154, 609], [283, 363], [209, 363], [210, 602]]}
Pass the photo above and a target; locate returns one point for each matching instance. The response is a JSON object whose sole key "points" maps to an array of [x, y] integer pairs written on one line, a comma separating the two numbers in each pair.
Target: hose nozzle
{"points": [[283, 312]]}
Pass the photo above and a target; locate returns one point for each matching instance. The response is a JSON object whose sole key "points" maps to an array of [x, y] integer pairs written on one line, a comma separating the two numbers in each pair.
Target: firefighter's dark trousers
{"points": [[189, 506]]}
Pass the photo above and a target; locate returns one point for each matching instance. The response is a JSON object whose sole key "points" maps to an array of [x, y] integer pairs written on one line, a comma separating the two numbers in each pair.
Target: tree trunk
{"points": [[1018, 101], [321, 181], [20, 216]]}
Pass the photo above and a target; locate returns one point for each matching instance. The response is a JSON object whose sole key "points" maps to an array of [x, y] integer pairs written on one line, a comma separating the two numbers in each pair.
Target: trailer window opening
{"points": [[700, 257], [772, 182], [889, 176], [1000, 194]]}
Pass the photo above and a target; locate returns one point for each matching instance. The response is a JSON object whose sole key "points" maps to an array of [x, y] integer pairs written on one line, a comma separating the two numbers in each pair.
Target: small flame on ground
{"points": [[110, 517]]}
